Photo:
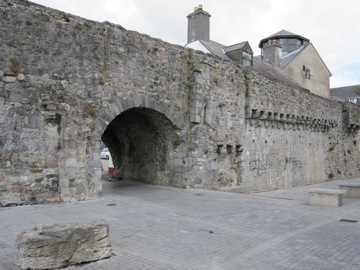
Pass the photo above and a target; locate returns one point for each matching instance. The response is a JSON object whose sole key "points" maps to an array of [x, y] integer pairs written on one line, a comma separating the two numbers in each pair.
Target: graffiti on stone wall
{"points": [[257, 167], [293, 163]]}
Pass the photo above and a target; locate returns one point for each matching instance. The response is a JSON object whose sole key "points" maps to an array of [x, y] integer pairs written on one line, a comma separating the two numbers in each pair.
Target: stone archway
{"points": [[141, 141]]}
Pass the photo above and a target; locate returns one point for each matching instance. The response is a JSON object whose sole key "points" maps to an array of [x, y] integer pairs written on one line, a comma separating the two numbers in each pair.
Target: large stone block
{"points": [[326, 197], [59, 245], [352, 190]]}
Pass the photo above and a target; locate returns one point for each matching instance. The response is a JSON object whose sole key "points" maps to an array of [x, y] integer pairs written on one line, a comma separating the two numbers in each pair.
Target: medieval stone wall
{"points": [[169, 116]]}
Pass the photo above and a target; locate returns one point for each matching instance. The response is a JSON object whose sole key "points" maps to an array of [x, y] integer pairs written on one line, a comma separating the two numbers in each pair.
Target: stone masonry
{"points": [[169, 115], [54, 246]]}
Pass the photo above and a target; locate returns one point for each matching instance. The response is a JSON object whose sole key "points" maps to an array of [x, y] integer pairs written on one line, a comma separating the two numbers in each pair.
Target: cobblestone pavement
{"points": [[166, 228]]}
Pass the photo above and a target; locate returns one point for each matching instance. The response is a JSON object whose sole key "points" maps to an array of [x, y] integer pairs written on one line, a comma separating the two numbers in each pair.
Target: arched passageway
{"points": [[141, 141]]}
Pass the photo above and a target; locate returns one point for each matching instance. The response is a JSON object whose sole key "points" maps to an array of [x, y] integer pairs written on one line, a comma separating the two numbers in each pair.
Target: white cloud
{"points": [[346, 75]]}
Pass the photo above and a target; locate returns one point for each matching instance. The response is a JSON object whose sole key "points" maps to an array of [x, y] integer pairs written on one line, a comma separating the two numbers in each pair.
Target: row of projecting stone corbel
{"points": [[285, 121]]}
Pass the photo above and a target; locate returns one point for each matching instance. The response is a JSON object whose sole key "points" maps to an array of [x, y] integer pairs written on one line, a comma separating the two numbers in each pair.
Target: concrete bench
{"points": [[326, 197], [352, 190]]}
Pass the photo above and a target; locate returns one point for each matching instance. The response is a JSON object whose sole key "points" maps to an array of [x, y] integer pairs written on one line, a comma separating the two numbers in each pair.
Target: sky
{"points": [[332, 26]]}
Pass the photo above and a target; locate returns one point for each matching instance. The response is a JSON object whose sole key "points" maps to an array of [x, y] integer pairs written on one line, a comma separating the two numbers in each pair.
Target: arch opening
{"points": [[140, 141]]}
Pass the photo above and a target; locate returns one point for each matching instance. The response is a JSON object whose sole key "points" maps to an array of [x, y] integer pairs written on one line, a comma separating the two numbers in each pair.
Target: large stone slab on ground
{"points": [[59, 245]]}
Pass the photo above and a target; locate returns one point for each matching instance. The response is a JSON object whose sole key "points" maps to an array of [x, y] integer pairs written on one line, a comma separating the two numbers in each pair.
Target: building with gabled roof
{"points": [[298, 58], [285, 56], [199, 39]]}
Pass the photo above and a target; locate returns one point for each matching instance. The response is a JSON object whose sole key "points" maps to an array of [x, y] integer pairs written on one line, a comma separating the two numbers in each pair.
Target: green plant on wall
{"points": [[66, 18], [14, 66], [176, 143], [45, 18], [78, 26], [101, 80], [92, 126], [189, 79], [67, 74], [190, 147], [111, 100], [91, 111]]}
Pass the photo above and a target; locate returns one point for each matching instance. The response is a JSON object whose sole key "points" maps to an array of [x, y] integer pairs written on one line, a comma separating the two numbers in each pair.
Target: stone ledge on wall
{"points": [[285, 121]]}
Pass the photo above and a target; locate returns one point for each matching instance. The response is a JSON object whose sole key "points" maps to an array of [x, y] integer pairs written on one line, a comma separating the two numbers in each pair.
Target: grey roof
{"points": [[282, 34], [346, 92], [215, 48], [287, 58], [242, 45], [272, 72], [259, 65]]}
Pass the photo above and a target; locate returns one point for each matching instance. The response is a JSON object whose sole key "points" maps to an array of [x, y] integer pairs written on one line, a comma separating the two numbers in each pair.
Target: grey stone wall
{"points": [[169, 116]]}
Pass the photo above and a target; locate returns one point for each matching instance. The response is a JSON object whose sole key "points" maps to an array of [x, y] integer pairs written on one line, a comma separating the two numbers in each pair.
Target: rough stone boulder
{"points": [[60, 245]]}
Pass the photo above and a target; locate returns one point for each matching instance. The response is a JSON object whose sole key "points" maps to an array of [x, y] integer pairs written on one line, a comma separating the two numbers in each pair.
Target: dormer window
{"points": [[241, 53], [354, 100], [247, 59]]}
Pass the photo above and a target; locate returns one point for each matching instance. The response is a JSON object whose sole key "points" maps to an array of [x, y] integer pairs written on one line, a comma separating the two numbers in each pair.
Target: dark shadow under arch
{"points": [[140, 141]]}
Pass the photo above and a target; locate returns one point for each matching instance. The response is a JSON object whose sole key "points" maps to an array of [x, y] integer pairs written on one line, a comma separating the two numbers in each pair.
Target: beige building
{"points": [[298, 58]]}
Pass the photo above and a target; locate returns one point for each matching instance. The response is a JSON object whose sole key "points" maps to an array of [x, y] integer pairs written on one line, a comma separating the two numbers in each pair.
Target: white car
{"points": [[105, 154]]}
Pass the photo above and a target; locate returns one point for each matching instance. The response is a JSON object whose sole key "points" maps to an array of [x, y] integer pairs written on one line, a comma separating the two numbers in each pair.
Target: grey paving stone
{"points": [[165, 228]]}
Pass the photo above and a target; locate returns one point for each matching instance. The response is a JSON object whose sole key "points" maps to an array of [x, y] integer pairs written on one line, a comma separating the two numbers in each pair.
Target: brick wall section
{"points": [[64, 79]]}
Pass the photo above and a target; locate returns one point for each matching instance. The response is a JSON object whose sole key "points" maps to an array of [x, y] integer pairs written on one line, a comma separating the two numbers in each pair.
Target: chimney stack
{"points": [[271, 53], [198, 25]]}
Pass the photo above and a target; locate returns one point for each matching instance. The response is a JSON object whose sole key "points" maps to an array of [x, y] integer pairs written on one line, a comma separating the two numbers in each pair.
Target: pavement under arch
{"points": [[140, 140]]}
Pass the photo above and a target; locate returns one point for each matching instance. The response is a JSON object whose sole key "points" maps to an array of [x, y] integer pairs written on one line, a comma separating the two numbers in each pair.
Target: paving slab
{"points": [[154, 227]]}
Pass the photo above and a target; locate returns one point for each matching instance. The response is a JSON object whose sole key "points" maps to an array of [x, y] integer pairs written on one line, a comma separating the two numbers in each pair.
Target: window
{"points": [[284, 44], [291, 41], [290, 44], [353, 100], [291, 48], [307, 74], [247, 59]]}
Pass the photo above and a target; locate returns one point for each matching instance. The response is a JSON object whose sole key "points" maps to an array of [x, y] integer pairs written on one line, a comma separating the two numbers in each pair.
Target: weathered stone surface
{"points": [[9, 79], [169, 115], [60, 245], [21, 77]]}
